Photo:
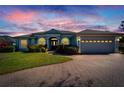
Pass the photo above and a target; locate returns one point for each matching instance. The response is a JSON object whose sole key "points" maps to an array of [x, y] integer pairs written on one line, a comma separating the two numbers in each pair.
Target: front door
{"points": [[53, 43]]}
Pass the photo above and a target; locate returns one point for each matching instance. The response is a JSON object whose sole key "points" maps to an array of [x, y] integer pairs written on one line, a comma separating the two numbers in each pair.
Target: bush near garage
{"points": [[67, 49], [7, 49]]}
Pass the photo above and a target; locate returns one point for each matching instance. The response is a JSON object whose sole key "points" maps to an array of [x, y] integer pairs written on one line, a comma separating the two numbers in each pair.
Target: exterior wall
{"points": [[73, 41]]}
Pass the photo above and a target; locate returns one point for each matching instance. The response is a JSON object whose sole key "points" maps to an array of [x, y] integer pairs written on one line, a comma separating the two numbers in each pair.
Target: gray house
{"points": [[88, 41]]}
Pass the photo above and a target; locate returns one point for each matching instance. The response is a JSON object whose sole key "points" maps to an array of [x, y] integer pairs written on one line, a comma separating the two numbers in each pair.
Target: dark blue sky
{"points": [[17, 20]]}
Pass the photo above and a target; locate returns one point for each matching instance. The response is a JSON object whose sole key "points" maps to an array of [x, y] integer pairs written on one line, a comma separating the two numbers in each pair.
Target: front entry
{"points": [[53, 43]]}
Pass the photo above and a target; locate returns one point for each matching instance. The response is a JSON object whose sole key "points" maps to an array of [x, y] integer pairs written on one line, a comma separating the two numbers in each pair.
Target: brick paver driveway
{"points": [[84, 70]]}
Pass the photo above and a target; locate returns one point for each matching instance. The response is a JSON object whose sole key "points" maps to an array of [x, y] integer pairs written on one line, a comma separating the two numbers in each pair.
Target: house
{"points": [[6, 41], [88, 41]]}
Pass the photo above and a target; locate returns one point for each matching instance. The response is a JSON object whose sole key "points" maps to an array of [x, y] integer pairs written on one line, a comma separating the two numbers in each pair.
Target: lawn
{"points": [[11, 62]]}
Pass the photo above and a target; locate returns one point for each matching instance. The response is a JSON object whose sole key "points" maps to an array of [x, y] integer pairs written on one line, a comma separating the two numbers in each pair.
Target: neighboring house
{"points": [[6, 41], [88, 41]]}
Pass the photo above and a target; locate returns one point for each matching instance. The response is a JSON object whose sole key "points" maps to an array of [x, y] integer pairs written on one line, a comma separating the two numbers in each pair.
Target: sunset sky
{"points": [[19, 20]]}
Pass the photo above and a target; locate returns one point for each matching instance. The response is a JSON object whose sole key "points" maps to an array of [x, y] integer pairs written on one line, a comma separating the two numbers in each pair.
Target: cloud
{"points": [[20, 17]]}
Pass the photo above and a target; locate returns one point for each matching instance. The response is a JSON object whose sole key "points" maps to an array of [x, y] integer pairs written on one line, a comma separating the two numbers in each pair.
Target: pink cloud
{"points": [[20, 17]]}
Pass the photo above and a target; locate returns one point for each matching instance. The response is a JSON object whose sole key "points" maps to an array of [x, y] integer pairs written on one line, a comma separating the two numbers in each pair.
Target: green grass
{"points": [[11, 62]]}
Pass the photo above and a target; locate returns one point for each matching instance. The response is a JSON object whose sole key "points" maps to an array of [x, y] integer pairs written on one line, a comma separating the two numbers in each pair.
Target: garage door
{"points": [[97, 45]]}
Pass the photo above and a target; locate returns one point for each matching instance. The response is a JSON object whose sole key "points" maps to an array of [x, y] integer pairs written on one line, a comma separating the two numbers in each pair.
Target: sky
{"points": [[22, 19]]}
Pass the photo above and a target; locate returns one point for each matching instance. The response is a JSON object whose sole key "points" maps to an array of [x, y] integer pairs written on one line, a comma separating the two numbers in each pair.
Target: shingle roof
{"points": [[92, 32], [54, 31], [6, 39], [22, 36]]}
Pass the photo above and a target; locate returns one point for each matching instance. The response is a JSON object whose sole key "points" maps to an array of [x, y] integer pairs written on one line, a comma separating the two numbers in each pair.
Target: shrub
{"points": [[43, 49], [33, 48], [37, 48], [121, 49], [66, 49], [7, 49]]}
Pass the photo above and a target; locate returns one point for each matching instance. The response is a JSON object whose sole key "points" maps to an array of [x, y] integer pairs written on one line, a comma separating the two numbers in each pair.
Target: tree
{"points": [[121, 27]]}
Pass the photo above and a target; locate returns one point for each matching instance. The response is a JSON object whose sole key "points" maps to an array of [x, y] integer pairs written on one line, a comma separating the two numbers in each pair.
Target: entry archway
{"points": [[53, 43]]}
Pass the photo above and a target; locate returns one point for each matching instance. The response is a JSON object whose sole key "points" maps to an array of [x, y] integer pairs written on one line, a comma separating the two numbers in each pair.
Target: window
{"points": [[41, 41], [32, 41], [96, 41], [83, 41], [102, 41], [110, 41], [106, 41], [24, 43], [65, 41], [90, 41]]}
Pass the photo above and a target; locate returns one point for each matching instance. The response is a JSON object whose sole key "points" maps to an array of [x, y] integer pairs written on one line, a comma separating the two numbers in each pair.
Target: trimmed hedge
{"points": [[66, 49], [121, 50], [37, 48], [7, 49]]}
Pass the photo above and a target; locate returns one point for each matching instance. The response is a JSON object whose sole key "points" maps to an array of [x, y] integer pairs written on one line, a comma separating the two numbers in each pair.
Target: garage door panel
{"points": [[97, 47]]}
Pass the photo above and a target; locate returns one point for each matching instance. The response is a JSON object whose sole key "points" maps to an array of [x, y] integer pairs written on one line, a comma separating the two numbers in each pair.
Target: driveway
{"points": [[83, 70]]}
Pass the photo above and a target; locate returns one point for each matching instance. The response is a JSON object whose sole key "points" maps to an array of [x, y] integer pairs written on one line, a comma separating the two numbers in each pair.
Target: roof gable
{"points": [[89, 31], [52, 31]]}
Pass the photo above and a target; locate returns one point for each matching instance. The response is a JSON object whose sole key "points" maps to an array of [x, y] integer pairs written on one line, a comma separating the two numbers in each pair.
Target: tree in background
{"points": [[121, 27]]}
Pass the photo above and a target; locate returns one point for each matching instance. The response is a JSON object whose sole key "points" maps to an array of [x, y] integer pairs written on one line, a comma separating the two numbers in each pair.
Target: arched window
{"points": [[41, 41], [65, 41]]}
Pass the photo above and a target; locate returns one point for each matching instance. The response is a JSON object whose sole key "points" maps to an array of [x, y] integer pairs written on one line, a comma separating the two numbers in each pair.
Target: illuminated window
{"points": [[24, 43], [90, 41], [94, 41], [102, 41], [106, 41], [98, 41], [110, 41], [83, 41], [41, 41], [53, 38], [86, 41], [65, 41]]}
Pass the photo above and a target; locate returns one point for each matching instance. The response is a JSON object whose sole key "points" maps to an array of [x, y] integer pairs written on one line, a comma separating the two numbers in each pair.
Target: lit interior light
{"points": [[87, 41], [106, 41], [98, 41], [110, 41], [90, 41], [83, 41], [102, 41], [94, 41]]}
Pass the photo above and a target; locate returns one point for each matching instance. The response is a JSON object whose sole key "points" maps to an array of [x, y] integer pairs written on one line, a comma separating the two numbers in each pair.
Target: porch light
{"points": [[78, 39], [118, 39]]}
